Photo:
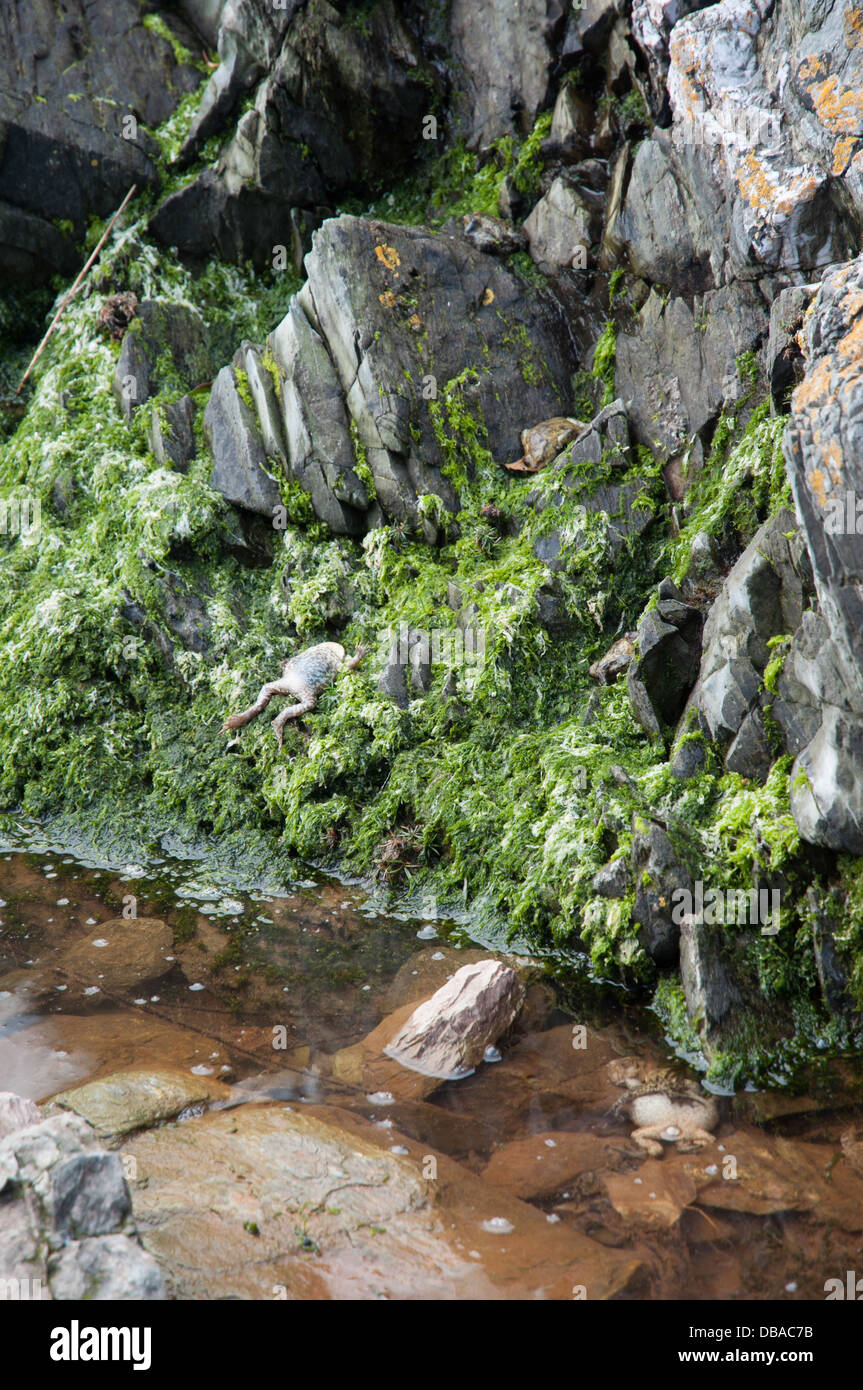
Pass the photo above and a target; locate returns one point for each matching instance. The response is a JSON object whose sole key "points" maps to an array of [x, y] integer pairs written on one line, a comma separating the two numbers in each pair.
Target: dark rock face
{"points": [[67, 1213], [823, 457], [390, 315], [170, 432], [763, 597], [90, 1195], [341, 98], [407, 673], [70, 80], [669, 648], [161, 339], [658, 872], [680, 366]]}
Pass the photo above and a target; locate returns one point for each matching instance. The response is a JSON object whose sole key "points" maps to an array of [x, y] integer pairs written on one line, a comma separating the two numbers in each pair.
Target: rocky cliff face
{"points": [[373, 246]]}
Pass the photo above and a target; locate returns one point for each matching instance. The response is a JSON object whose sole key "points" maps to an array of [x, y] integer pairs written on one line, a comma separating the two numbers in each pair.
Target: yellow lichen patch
{"points": [[818, 486], [853, 26], [851, 346], [852, 303], [388, 256], [812, 67], [388, 299], [842, 152], [814, 390], [415, 322], [488, 297], [760, 189], [840, 109]]}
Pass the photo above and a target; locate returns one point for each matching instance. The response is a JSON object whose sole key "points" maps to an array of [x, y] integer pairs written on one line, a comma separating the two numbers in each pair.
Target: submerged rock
{"points": [[120, 953], [448, 1034], [138, 1098]]}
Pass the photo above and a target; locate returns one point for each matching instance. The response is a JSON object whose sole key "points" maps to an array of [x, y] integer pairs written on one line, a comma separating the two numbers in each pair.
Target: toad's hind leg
{"points": [[307, 702], [265, 695], [647, 1138]]}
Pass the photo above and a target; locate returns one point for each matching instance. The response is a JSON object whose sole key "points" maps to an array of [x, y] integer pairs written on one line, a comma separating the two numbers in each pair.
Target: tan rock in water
{"points": [[120, 953], [447, 1036], [541, 443]]}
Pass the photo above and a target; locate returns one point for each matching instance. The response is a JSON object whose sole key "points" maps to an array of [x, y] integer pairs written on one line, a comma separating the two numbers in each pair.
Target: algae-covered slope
{"points": [[472, 756]]}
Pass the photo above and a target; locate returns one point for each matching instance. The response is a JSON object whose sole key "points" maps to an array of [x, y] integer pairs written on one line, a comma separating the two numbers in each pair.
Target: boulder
{"points": [[447, 1036], [407, 673], [138, 1098], [657, 872], [67, 1215], [240, 465], [171, 435], [316, 425], [563, 228]]}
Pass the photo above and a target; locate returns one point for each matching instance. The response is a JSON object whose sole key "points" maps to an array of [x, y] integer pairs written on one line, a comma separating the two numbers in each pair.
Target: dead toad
{"points": [[541, 443], [305, 675], [663, 1106]]}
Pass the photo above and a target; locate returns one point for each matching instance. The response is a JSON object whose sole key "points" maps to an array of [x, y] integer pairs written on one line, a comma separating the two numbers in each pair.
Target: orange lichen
{"points": [[388, 299], [388, 256], [488, 297], [853, 25], [840, 109], [842, 152]]}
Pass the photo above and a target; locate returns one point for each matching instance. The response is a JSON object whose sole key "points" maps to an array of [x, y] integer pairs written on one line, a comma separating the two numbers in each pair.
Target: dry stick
{"points": [[103, 238]]}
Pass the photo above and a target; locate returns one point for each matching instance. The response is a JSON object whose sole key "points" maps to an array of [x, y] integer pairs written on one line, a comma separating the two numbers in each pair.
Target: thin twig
{"points": [[101, 242]]}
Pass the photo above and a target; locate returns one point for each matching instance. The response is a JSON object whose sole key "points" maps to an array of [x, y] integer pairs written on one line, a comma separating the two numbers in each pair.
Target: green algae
{"points": [[503, 777]]}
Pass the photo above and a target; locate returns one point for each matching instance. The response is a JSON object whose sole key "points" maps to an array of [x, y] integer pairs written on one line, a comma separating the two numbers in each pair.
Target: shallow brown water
{"points": [[271, 993]]}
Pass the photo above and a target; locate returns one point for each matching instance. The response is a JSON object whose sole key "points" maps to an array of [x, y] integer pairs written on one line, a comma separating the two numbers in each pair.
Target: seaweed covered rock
{"points": [[78, 86], [763, 599], [668, 645], [391, 320], [165, 344]]}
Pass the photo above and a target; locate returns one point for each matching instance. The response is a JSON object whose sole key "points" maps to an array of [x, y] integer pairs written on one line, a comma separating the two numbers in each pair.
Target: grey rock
{"points": [[714, 997], [822, 453], [69, 78], [89, 1194], [562, 229], [337, 100], [657, 871], [784, 359], [105, 1268], [240, 466], [407, 673], [171, 434], [502, 57], [679, 367], [315, 424], [763, 597], [612, 880], [374, 292], [668, 645], [160, 328]]}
